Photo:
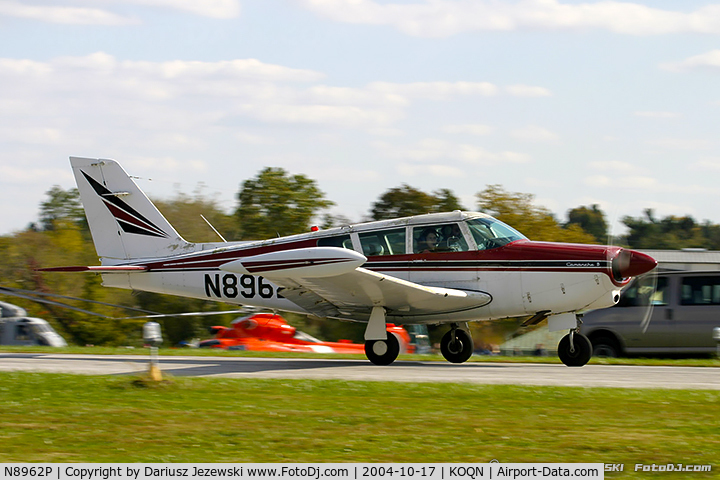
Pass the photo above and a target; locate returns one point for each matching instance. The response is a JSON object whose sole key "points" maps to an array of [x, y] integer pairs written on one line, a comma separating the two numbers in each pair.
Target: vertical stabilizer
{"points": [[123, 221]]}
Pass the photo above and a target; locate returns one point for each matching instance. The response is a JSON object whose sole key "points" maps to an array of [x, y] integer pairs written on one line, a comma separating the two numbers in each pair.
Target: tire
{"points": [[382, 352], [458, 349], [582, 353], [605, 347]]}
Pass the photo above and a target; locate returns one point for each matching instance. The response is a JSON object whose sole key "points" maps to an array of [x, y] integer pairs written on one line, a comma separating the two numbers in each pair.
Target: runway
{"points": [[616, 376]]}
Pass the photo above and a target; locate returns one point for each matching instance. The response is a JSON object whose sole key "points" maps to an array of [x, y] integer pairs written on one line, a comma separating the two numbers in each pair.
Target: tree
{"points": [[591, 219], [671, 233], [405, 201], [518, 211], [447, 201], [185, 212], [62, 205], [275, 203]]}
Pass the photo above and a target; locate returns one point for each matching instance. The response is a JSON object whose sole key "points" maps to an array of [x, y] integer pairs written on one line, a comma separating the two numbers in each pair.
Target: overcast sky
{"points": [[614, 103]]}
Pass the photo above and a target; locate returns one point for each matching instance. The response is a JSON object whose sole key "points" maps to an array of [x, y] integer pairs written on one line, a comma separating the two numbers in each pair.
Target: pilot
{"points": [[452, 237], [428, 240]]}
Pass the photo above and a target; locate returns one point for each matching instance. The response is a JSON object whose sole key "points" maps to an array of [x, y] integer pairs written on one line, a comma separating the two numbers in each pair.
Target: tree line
{"points": [[274, 203]]}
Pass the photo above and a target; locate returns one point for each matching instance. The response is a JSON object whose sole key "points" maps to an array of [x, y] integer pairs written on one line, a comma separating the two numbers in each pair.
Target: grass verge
{"points": [[74, 418]]}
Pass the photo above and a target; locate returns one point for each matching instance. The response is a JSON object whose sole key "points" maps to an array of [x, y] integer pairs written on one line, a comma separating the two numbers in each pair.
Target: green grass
{"points": [[691, 362], [74, 418]]}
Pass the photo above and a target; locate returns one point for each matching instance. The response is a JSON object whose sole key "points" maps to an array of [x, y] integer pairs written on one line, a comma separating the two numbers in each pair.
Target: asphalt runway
{"points": [[616, 376]]}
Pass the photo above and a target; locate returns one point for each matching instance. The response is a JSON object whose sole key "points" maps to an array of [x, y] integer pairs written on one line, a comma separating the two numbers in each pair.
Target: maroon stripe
{"points": [[123, 215]]}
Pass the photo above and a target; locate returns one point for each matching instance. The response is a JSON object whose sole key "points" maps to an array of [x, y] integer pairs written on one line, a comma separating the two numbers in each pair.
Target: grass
{"points": [[690, 362], [75, 418]]}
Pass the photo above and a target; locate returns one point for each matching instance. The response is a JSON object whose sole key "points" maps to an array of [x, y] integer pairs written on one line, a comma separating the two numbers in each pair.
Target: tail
{"points": [[123, 221]]}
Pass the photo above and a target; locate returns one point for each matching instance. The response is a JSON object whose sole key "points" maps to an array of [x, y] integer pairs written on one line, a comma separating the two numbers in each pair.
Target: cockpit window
{"points": [[439, 238], [490, 233], [40, 328]]}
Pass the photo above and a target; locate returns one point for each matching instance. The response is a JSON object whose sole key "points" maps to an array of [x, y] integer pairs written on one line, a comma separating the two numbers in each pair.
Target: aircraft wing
{"points": [[329, 282]]}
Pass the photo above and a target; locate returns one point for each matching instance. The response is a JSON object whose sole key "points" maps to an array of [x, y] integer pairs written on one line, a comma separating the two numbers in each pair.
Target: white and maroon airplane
{"points": [[446, 268]]}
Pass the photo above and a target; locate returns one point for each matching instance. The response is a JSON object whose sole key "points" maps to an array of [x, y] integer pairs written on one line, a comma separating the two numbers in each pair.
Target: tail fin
{"points": [[123, 221]]}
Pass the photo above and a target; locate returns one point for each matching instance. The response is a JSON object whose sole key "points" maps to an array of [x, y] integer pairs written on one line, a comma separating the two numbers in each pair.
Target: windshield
{"points": [[491, 233], [40, 328]]}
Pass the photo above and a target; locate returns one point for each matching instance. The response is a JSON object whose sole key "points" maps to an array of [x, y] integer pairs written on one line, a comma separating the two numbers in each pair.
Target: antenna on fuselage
{"points": [[213, 228]]}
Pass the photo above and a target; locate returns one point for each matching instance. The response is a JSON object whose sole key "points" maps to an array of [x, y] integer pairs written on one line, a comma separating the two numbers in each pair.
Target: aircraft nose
{"points": [[631, 263]]}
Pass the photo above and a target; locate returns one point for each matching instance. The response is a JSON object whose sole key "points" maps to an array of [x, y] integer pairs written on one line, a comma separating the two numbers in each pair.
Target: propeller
{"points": [[630, 263], [645, 323]]}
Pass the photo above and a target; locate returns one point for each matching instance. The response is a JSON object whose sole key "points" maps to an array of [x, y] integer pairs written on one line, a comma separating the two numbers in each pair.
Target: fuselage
{"points": [[473, 252]]}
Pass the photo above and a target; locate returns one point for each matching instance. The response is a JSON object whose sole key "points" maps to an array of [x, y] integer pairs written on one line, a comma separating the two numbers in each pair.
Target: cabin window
{"points": [[439, 238], [490, 233], [341, 241], [386, 242]]}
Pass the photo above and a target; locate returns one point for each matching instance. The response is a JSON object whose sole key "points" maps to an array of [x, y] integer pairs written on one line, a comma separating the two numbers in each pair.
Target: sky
{"points": [[577, 103]]}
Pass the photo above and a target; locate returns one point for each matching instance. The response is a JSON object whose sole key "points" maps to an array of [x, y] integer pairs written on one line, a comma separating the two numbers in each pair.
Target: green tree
{"points": [[591, 219], [405, 201], [276, 203], [671, 233], [712, 233], [186, 212], [61, 206], [518, 211]]}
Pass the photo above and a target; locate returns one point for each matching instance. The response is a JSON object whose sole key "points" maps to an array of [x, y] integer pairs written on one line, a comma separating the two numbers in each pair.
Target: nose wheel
{"points": [[456, 345], [382, 352], [575, 349]]}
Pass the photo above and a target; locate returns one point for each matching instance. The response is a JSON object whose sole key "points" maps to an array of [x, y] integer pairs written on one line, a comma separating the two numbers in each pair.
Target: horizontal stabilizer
{"points": [[96, 269]]}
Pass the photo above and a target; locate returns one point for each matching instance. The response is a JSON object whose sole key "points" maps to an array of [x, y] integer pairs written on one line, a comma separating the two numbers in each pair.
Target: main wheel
{"points": [[578, 356], [456, 348], [382, 352]]}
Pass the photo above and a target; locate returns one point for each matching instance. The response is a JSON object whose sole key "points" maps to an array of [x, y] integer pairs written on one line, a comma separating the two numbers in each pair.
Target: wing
{"points": [[329, 282]]}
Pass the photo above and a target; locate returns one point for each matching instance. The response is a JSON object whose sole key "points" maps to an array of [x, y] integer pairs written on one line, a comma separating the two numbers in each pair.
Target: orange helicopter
{"points": [[270, 332]]}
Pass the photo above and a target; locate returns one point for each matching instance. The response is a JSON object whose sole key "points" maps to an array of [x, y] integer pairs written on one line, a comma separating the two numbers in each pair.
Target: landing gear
{"points": [[575, 349], [382, 352], [456, 345]]}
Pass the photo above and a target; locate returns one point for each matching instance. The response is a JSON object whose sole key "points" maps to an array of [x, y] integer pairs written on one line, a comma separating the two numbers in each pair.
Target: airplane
{"points": [[443, 268], [271, 332]]}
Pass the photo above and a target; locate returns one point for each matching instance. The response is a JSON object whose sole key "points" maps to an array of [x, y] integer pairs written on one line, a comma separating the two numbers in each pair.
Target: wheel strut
{"points": [[573, 331]]}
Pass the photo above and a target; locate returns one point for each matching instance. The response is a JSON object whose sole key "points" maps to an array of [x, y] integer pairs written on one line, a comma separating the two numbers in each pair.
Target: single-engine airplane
{"points": [[271, 332], [445, 268]]}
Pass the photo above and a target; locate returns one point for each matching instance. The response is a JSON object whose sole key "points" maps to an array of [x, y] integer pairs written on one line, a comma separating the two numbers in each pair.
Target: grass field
{"points": [[73, 418]]}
